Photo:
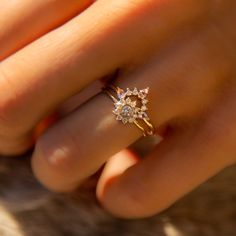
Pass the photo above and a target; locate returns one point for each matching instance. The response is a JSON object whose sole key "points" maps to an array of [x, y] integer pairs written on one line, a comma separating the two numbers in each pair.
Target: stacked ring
{"points": [[131, 107]]}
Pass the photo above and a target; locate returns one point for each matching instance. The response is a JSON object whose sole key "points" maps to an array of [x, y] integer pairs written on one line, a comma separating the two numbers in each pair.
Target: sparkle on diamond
{"points": [[127, 109]]}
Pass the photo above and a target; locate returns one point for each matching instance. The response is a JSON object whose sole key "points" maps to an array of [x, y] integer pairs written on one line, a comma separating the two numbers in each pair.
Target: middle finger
{"points": [[39, 77]]}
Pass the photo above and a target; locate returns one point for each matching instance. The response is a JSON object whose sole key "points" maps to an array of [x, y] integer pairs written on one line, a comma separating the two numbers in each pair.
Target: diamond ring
{"points": [[131, 107]]}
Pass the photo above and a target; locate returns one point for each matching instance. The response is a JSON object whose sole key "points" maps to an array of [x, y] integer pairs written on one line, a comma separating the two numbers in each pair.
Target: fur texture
{"points": [[27, 209]]}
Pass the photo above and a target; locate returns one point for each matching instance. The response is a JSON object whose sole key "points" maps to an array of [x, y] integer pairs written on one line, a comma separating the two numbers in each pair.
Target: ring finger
{"points": [[78, 145]]}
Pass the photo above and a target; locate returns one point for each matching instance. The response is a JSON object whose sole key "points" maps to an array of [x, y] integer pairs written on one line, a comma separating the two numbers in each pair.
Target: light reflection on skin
{"points": [[106, 123]]}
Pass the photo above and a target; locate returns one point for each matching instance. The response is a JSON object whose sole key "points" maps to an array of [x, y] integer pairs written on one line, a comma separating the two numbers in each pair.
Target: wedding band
{"points": [[131, 107]]}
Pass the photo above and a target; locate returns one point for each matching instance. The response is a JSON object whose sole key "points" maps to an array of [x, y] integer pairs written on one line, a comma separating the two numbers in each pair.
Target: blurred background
{"points": [[27, 209]]}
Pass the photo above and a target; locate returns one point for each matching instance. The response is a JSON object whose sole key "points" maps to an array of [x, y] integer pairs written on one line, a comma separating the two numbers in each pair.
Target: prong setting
{"points": [[131, 105]]}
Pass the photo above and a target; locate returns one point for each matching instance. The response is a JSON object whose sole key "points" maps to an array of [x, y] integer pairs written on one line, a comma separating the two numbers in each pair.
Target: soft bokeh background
{"points": [[26, 209]]}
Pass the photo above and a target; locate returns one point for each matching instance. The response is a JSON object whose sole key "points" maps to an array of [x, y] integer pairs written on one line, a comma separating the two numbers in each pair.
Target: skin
{"points": [[183, 50]]}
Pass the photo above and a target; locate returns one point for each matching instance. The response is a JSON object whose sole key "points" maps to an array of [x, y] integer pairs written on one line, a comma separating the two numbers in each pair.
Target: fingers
{"points": [[114, 167], [78, 145], [178, 165], [39, 77], [21, 22]]}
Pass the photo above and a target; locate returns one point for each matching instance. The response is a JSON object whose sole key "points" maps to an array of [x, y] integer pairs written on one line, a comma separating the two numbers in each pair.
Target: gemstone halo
{"points": [[131, 105]]}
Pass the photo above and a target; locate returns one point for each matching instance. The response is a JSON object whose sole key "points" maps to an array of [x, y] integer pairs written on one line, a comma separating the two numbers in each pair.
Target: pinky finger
{"points": [[115, 167]]}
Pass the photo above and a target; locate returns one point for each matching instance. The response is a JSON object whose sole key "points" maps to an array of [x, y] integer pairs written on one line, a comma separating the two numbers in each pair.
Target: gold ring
{"points": [[131, 107]]}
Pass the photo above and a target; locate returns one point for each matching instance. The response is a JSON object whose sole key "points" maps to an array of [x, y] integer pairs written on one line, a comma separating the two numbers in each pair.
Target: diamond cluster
{"points": [[131, 105]]}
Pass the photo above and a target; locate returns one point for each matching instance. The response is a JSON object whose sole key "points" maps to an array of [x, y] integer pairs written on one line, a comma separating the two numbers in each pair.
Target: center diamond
{"points": [[127, 111]]}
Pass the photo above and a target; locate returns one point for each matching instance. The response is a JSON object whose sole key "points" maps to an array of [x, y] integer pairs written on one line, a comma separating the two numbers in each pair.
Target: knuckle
{"points": [[7, 123], [59, 150], [54, 165], [15, 139], [8, 103]]}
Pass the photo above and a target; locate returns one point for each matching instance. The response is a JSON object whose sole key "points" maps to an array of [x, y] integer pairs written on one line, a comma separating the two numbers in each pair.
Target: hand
{"points": [[183, 50]]}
